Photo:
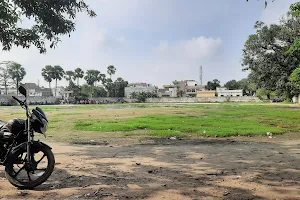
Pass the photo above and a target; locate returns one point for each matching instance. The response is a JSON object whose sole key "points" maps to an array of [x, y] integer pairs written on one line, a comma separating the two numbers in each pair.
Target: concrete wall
{"points": [[129, 90], [106, 99], [203, 99], [103, 100], [30, 99], [206, 93]]}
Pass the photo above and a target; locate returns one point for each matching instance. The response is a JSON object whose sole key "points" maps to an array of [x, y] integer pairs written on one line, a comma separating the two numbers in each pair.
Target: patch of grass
{"points": [[69, 113], [115, 121], [72, 107], [159, 133], [54, 119], [207, 125]]}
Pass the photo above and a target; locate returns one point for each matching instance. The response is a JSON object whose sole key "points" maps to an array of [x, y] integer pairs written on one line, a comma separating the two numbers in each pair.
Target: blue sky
{"points": [[156, 41]]}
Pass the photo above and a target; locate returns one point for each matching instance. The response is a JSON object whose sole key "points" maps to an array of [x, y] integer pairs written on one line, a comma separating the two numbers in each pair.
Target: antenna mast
{"points": [[200, 75]]}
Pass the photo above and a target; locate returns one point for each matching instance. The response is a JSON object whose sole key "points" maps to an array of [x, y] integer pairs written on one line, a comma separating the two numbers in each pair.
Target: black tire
{"points": [[30, 185]]}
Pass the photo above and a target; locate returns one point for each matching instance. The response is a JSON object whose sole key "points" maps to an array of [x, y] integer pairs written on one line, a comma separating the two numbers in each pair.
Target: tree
{"points": [[264, 55], [79, 73], [118, 88], [176, 83], [4, 76], [142, 96], [111, 70], [91, 77], [47, 73], [58, 74], [102, 79], [249, 88], [295, 8], [51, 20], [16, 72], [212, 85], [232, 85], [109, 86], [295, 81], [69, 76]]}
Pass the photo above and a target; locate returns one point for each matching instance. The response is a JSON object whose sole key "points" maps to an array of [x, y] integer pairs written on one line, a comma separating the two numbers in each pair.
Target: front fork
{"points": [[29, 142]]}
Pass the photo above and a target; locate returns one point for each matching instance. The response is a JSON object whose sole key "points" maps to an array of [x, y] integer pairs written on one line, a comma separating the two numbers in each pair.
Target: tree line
{"points": [[108, 88], [12, 73]]}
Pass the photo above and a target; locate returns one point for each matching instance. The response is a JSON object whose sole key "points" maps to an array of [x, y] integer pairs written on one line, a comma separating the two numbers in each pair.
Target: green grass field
{"points": [[84, 122]]}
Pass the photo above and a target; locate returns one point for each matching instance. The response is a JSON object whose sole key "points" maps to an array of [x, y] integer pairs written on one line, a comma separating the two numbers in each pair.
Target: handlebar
{"points": [[20, 102]]}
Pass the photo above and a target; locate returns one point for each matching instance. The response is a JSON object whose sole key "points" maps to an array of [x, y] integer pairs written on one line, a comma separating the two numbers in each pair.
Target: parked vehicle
{"points": [[19, 150]]}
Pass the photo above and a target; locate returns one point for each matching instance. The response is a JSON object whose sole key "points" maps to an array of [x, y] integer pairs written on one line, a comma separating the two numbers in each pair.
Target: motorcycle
{"points": [[19, 152]]}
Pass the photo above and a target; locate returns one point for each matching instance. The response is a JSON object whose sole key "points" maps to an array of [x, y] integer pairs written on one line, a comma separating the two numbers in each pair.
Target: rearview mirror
{"points": [[23, 91]]}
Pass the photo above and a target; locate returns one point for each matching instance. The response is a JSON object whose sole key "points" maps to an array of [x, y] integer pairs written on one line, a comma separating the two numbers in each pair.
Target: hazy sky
{"points": [[156, 41]]}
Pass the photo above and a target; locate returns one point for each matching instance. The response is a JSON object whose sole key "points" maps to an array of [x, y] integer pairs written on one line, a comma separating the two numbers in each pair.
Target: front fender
{"points": [[23, 147]]}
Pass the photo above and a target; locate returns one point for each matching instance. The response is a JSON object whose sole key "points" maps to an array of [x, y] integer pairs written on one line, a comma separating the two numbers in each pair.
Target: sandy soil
{"points": [[229, 168]]}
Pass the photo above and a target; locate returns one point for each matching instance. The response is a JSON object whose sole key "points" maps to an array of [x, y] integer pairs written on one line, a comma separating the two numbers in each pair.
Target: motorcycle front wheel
{"points": [[25, 176]]}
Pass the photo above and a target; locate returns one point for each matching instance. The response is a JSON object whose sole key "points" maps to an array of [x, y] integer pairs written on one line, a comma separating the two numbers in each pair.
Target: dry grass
{"points": [[63, 120]]}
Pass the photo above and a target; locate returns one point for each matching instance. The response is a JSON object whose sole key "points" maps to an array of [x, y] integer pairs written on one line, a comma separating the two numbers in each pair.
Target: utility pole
{"points": [[200, 74]]}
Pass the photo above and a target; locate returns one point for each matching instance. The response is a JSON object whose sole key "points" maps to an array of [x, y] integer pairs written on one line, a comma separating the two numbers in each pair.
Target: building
{"points": [[10, 91], [168, 91], [189, 88], [224, 92], [46, 92], [33, 89], [59, 92], [206, 93], [138, 88]]}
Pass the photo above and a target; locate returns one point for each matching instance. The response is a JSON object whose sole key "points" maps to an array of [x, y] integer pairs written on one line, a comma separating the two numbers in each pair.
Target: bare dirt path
{"points": [[230, 168]]}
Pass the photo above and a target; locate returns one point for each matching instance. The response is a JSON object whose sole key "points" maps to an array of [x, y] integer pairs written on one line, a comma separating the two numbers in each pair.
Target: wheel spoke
{"points": [[28, 176], [16, 173], [40, 159]]}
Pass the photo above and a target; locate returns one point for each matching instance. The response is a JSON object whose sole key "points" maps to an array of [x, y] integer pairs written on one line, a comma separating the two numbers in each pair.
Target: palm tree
{"points": [[47, 73], [92, 76], [58, 74], [69, 76], [79, 73], [102, 78], [111, 70], [16, 72]]}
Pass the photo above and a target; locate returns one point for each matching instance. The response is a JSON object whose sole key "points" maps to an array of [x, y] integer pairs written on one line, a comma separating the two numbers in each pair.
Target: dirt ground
{"points": [[202, 168]]}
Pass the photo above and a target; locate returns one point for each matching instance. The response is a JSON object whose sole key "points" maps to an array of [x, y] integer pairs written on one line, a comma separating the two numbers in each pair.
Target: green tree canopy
{"points": [[111, 70], [69, 76], [232, 85], [47, 73], [16, 72], [58, 74], [91, 77], [52, 19], [264, 54], [212, 85], [295, 81], [79, 73]]}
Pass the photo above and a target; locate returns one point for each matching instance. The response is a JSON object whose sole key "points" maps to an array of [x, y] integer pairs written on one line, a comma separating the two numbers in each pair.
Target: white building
{"points": [[191, 83], [138, 89], [168, 91], [10, 91], [224, 92], [59, 92]]}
